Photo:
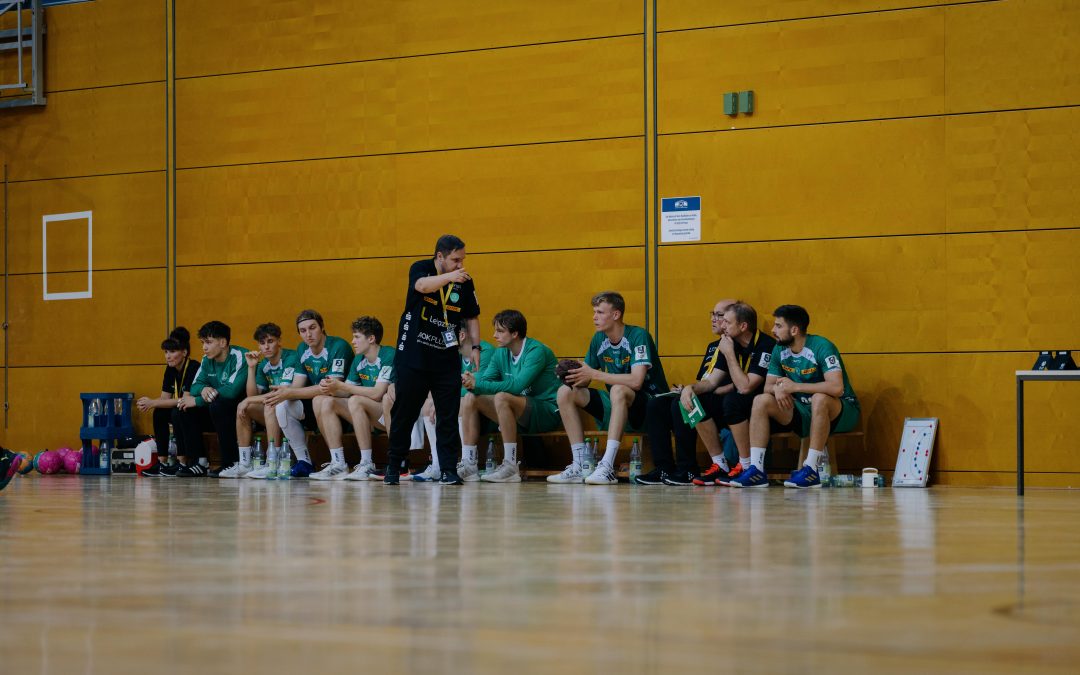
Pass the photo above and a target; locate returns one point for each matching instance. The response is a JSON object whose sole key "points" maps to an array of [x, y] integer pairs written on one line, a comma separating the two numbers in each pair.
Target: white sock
{"points": [[510, 453], [468, 454], [204, 462], [365, 456], [578, 451], [757, 458], [293, 430], [337, 455], [429, 427], [245, 455], [813, 458], [721, 462], [610, 452], [744, 462], [417, 440]]}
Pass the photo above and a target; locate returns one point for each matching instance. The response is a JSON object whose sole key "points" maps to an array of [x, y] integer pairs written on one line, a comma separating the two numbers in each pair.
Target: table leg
{"points": [[1019, 436]]}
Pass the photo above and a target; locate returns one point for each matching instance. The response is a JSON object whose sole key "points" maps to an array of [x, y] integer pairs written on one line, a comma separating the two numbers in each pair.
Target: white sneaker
{"points": [[237, 470], [428, 475], [362, 471], [262, 473], [468, 472], [602, 475], [332, 471], [571, 474], [506, 473]]}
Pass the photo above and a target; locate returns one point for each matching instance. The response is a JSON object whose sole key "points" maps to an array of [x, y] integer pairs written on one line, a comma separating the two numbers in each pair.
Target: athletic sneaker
{"points": [[602, 475], [428, 475], [403, 474], [804, 477], [262, 473], [507, 472], [654, 477], [468, 472], [302, 469], [237, 470], [193, 471], [709, 477], [680, 479], [9, 466], [331, 471], [170, 471], [362, 471], [750, 478], [735, 472], [571, 474], [450, 478], [154, 471]]}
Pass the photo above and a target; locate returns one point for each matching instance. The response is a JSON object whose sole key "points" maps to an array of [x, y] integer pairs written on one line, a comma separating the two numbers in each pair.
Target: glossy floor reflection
{"points": [[127, 575]]}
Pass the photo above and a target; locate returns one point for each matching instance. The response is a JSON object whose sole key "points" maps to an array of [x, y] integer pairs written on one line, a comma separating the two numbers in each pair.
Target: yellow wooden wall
{"points": [[908, 175]]}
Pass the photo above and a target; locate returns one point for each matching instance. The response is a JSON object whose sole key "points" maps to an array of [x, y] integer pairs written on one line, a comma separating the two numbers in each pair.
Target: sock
{"points": [[468, 454], [721, 462], [204, 462], [757, 458], [365, 456], [578, 451], [610, 452], [302, 454], [510, 453], [245, 455], [294, 431], [337, 455], [744, 462], [813, 458], [429, 427]]}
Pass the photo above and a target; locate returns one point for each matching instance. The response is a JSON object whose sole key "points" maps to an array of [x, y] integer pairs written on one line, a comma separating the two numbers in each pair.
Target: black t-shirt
{"points": [[753, 358], [176, 382], [420, 331]]}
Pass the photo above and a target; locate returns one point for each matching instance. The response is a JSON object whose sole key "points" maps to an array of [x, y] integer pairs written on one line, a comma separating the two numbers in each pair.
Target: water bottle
{"points": [[92, 413], [635, 461], [104, 455], [284, 461], [824, 470], [103, 413], [172, 447], [489, 464], [271, 462], [587, 459], [257, 454]]}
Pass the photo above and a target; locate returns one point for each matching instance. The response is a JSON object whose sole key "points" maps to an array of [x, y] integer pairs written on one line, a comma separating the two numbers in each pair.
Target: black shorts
{"points": [[309, 422]]}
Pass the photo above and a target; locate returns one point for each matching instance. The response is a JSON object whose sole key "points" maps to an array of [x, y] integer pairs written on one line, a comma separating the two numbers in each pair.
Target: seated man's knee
{"points": [[565, 395], [468, 401], [622, 394], [355, 404], [819, 403], [502, 399], [763, 403]]}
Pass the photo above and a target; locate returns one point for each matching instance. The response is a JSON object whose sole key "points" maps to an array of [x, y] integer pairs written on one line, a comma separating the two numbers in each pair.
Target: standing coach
{"points": [[441, 298]]}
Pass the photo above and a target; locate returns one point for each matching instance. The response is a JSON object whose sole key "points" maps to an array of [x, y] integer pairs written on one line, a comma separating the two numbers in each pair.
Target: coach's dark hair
{"points": [[612, 298], [369, 325], [512, 321], [179, 340], [744, 313], [447, 244], [215, 329], [266, 330], [794, 316], [308, 315]]}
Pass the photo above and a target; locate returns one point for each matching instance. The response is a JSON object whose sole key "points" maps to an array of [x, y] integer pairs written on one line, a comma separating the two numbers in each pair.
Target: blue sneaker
{"points": [[301, 469], [804, 477], [751, 478]]}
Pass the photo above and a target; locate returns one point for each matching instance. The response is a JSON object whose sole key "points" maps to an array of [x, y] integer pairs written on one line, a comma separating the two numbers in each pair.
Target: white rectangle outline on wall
{"points": [[53, 217]]}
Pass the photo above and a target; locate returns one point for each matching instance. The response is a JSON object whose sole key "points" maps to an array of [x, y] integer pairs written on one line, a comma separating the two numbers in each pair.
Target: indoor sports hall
{"points": [[906, 171]]}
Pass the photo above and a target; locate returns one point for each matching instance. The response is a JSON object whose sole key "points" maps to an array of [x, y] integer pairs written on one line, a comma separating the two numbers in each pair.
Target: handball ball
{"points": [[563, 368], [72, 462], [63, 452], [27, 464], [48, 462]]}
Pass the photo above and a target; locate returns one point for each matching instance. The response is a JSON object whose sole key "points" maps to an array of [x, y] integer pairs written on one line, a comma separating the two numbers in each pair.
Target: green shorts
{"points": [[844, 422], [599, 406], [543, 416]]}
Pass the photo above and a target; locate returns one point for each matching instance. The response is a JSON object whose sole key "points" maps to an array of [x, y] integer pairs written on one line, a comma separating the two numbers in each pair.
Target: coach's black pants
{"points": [[220, 417], [662, 419], [412, 387]]}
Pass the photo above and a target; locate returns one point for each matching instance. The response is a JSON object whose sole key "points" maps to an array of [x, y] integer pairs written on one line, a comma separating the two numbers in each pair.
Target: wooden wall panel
{"points": [[865, 66], [129, 221], [1007, 55], [531, 197], [557, 305], [810, 182], [552, 92], [87, 133], [682, 14], [1013, 170], [123, 323], [45, 407], [248, 35], [866, 295]]}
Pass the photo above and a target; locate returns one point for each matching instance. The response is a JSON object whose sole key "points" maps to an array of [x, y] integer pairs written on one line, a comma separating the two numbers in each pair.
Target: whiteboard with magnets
{"points": [[916, 448]]}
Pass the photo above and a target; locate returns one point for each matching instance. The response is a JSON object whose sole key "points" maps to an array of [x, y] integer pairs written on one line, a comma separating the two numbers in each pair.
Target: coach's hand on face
{"points": [[458, 276], [727, 346]]}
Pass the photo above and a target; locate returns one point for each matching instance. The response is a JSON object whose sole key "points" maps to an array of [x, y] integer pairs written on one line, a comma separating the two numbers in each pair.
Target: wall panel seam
{"points": [[96, 270], [1071, 228], [89, 175], [103, 86]]}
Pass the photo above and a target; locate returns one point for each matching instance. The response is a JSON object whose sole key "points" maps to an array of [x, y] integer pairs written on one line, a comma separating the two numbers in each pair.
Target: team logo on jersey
{"points": [[385, 373], [808, 371], [832, 362], [641, 352], [339, 365], [765, 359], [287, 374], [454, 297], [787, 368]]}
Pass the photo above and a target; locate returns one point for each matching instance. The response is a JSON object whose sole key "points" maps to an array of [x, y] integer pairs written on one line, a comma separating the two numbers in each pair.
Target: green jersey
{"points": [[818, 356], [486, 350], [228, 377], [530, 373], [635, 349], [268, 375], [334, 361], [366, 374]]}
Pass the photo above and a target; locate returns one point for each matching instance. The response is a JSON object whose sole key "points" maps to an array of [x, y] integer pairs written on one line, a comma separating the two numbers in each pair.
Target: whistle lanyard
{"points": [[445, 297], [180, 383], [744, 359]]}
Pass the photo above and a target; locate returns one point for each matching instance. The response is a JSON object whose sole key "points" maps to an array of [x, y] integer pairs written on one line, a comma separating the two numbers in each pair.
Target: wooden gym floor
{"points": [[127, 575]]}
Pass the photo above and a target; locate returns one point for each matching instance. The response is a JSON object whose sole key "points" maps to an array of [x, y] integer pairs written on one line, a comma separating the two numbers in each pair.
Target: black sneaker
{"points": [[680, 478], [213, 473], [154, 471], [654, 477], [168, 471], [193, 471], [450, 478], [391, 478]]}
